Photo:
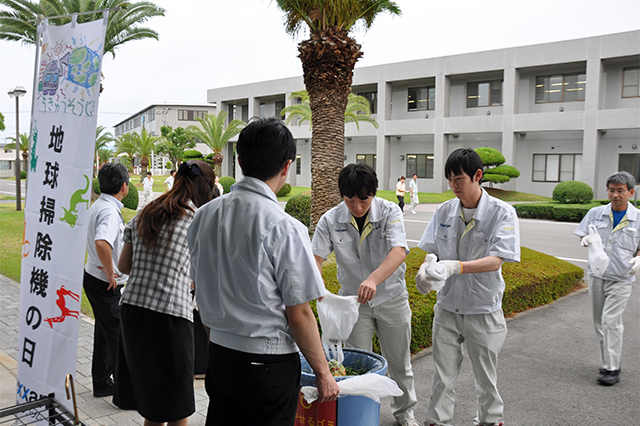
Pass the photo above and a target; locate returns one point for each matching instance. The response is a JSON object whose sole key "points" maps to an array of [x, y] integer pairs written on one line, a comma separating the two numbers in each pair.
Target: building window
{"points": [[630, 163], [279, 108], [630, 82], [152, 115], [421, 98], [199, 114], [484, 93], [5, 165], [298, 164], [557, 167], [370, 159], [183, 115], [263, 108], [560, 88], [136, 122], [421, 165], [372, 97]]}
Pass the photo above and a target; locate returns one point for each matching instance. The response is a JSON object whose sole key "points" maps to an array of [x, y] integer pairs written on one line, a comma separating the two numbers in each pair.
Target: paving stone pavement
{"points": [[92, 411]]}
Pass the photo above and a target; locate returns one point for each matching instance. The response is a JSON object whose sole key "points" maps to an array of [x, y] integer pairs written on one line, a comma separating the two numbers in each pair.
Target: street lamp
{"points": [[17, 93]]}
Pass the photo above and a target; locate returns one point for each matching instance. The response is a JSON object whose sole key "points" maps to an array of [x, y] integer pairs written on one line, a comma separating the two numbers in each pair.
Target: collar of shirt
{"points": [[112, 200], [344, 215], [252, 184], [632, 212], [481, 210]]}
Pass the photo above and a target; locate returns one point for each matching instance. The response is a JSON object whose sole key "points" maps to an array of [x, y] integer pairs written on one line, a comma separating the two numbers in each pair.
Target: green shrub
{"points": [[490, 156], [192, 154], [572, 192], [168, 165], [299, 206], [23, 174], [537, 280], [226, 182], [488, 177], [554, 211], [284, 191], [503, 169], [130, 201]]}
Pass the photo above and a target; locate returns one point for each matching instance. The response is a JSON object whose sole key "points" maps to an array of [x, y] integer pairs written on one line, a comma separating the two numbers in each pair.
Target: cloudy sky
{"points": [[206, 44]]}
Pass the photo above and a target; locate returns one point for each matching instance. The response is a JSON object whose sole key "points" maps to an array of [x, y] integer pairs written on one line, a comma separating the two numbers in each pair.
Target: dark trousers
{"points": [[401, 202], [106, 310], [251, 389]]}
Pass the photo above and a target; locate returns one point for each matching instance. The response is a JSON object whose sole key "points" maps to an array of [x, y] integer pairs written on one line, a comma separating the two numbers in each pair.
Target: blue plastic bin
{"points": [[353, 410]]}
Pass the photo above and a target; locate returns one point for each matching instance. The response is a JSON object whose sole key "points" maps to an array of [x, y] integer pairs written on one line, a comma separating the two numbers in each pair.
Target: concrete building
{"points": [[155, 116], [567, 110]]}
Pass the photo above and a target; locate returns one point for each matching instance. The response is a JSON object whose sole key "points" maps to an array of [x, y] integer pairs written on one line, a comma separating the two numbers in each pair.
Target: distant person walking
{"points": [[147, 191], [168, 182], [155, 367], [219, 186], [400, 191], [413, 191], [618, 225]]}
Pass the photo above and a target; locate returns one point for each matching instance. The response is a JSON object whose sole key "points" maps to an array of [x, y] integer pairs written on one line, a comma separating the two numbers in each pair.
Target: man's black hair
{"points": [[264, 147], [463, 160], [358, 179], [111, 177]]}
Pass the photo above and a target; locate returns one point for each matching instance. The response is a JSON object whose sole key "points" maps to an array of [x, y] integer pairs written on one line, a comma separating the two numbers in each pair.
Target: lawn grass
{"points": [[7, 197], [158, 182]]}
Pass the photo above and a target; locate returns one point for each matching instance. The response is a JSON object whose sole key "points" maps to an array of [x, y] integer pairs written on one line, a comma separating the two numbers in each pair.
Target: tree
{"points": [[19, 21], [214, 134], [173, 143], [358, 109], [102, 141], [328, 58], [495, 170], [1, 122], [104, 155], [24, 148], [141, 145]]}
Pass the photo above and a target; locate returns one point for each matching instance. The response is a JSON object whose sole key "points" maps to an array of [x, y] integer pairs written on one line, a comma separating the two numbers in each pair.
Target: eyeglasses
{"points": [[618, 191]]}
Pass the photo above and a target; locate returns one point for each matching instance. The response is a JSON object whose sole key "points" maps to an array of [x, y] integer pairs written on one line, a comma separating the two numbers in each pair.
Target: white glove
{"points": [[444, 269], [586, 240], [424, 283], [635, 265]]}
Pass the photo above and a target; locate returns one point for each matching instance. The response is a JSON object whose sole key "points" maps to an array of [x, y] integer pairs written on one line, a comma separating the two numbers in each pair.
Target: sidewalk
{"points": [[547, 373]]}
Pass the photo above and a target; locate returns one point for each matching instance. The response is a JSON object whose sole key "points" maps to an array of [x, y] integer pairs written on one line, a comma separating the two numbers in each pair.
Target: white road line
{"points": [[570, 259]]}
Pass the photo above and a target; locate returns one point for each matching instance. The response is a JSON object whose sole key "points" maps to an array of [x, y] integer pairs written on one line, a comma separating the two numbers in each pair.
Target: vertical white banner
{"points": [[63, 129]]}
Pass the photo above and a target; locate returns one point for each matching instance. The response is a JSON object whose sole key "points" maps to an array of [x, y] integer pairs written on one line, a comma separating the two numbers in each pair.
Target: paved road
{"points": [[8, 187]]}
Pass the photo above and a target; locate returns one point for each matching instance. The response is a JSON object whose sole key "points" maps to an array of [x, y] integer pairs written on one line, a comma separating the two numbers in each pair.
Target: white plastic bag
{"points": [[598, 259], [338, 315], [371, 385], [424, 283]]}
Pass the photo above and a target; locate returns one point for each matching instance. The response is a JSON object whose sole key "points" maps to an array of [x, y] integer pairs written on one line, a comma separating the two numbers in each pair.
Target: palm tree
{"points": [[24, 148], [19, 20], [328, 58], [358, 109], [1, 122], [104, 155], [141, 145], [214, 134], [102, 140]]}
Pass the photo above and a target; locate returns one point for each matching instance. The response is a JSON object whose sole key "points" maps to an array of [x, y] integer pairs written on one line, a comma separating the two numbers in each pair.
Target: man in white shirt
{"points": [[367, 235], [147, 191], [471, 235], [102, 280], [413, 190], [168, 182], [255, 274], [617, 225]]}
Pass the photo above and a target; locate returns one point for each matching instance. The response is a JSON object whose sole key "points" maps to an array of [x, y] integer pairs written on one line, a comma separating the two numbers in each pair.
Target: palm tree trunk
{"points": [[328, 59]]}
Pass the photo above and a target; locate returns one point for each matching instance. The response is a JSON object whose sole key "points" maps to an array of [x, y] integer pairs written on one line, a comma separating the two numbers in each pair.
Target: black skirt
{"points": [[154, 365]]}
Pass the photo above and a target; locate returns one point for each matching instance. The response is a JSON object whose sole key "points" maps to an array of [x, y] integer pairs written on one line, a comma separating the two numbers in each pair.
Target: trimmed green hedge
{"points": [[572, 192], [554, 211], [284, 191], [299, 206], [226, 182], [130, 201], [537, 280]]}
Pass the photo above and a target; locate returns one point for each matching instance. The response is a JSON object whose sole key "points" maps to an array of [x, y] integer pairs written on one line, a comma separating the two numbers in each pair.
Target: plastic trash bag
{"points": [[338, 315], [598, 259], [424, 283], [373, 386]]}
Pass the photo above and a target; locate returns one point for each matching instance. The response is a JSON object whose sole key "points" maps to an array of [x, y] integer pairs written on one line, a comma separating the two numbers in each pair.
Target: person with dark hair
{"points": [[102, 280], [401, 190], [617, 226], [255, 274], [368, 238], [168, 182], [471, 235], [147, 191], [154, 373]]}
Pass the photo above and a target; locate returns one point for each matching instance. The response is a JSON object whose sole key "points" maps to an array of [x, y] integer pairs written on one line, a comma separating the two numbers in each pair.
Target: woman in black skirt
{"points": [[154, 364]]}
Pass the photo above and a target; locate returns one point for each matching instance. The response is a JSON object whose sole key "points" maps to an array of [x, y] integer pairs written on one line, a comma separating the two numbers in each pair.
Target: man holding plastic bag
{"points": [[611, 233], [368, 238]]}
